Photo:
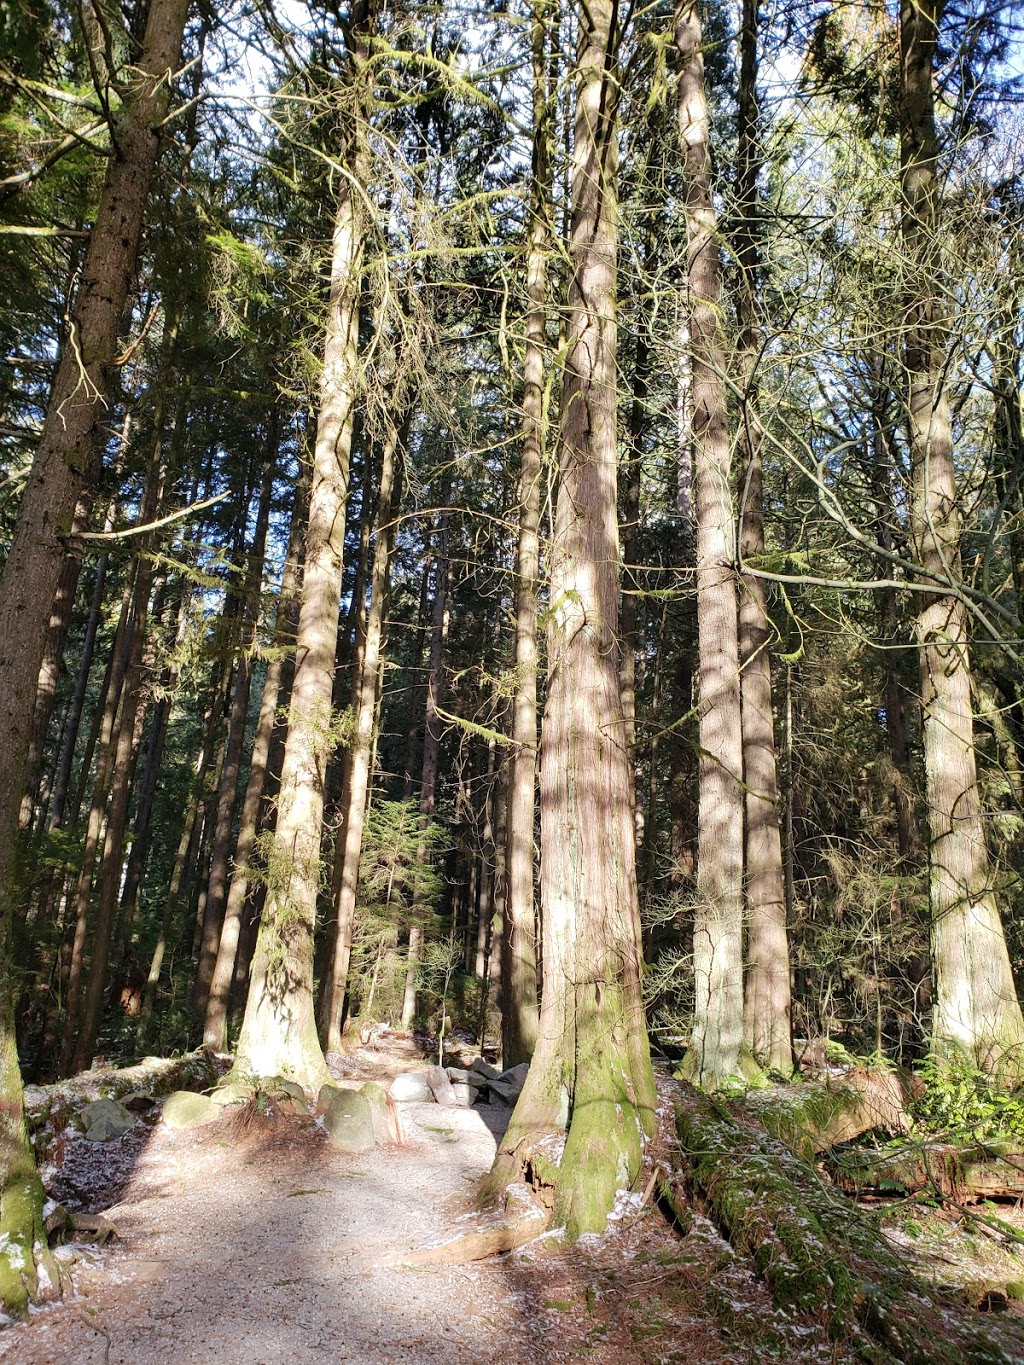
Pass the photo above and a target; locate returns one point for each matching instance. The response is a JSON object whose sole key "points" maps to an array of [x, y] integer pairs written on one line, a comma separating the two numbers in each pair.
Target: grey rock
{"points": [[466, 1095], [411, 1088], [509, 1085], [381, 1121], [185, 1109], [348, 1122], [287, 1095], [440, 1085], [325, 1094], [482, 1068], [474, 1078], [234, 1092], [105, 1120]]}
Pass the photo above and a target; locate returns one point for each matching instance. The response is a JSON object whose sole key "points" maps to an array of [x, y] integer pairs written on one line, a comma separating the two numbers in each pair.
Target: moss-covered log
{"points": [[155, 1076], [814, 1250], [816, 1115], [965, 1174]]}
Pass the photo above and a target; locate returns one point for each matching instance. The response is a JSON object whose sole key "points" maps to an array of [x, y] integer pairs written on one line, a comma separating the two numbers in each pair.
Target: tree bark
{"points": [[368, 664], [213, 918], [107, 739], [70, 449], [591, 1073], [278, 1034], [519, 950], [766, 1000], [215, 1025], [976, 1010], [716, 1044], [431, 755]]}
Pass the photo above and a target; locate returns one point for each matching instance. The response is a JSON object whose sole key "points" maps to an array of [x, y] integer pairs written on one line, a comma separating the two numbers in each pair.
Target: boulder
{"points": [[105, 1120], [288, 1096], [509, 1085], [474, 1078], [326, 1093], [349, 1122], [466, 1095], [411, 1088], [482, 1068], [381, 1118], [185, 1109], [234, 1092], [440, 1085]]}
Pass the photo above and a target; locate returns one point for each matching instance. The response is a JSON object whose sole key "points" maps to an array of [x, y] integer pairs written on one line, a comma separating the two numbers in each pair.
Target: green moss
{"points": [[815, 1251]]}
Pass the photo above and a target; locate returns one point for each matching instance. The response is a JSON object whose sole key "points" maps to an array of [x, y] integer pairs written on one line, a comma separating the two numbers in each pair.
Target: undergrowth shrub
{"points": [[962, 1102]]}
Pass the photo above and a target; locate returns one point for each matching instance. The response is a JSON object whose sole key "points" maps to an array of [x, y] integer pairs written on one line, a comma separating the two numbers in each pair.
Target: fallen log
{"points": [[812, 1116], [816, 1252], [153, 1076], [963, 1174]]}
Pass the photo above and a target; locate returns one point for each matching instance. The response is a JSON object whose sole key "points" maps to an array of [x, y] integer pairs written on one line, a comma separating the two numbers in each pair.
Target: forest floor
{"points": [[258, 1242]]}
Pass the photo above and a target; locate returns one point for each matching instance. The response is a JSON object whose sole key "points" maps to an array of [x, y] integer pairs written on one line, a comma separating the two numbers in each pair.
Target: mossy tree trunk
{"points": [[716, 1045], [976, 1008], [279, 1035], [591, 1078]]}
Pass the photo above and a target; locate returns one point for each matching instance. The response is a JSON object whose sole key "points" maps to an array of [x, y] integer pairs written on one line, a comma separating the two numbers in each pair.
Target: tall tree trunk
{"points": [[213, 918], [129, 737], [46, 685], [591, 1071], [367, 664], [134, 693], [716, 1043], [890, 624], [107, 741], [766, 1000], [215, 1026], [68, 456], [431, 755], [278, 1034], [519, 950], [74, 720], [976, 1009]]}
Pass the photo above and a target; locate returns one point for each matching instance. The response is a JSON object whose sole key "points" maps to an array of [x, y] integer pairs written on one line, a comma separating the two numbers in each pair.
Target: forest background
{"points": [[655, 370]]}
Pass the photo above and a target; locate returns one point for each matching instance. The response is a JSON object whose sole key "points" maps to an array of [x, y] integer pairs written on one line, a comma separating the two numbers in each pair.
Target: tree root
{"points": [[487, 1234]]}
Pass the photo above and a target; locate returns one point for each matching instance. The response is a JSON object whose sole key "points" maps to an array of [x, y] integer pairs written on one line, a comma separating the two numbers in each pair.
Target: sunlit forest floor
{"points": [[256, 1241]]}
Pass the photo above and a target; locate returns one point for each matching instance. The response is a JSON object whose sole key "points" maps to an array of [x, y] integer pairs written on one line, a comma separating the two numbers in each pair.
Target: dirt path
{"points": [[263, 1244]]}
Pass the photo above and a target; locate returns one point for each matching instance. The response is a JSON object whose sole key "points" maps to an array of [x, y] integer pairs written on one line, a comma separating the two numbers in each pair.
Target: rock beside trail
{"points": [[287, 1095], [232, 1093], [105, 1120], [348, 1122], [465, 1095], [383, 1118], [440, 1085], [474, 1078], [506, 1088], [484, 1069], [185, 1109], [411, 1087], [327, 1093]]}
